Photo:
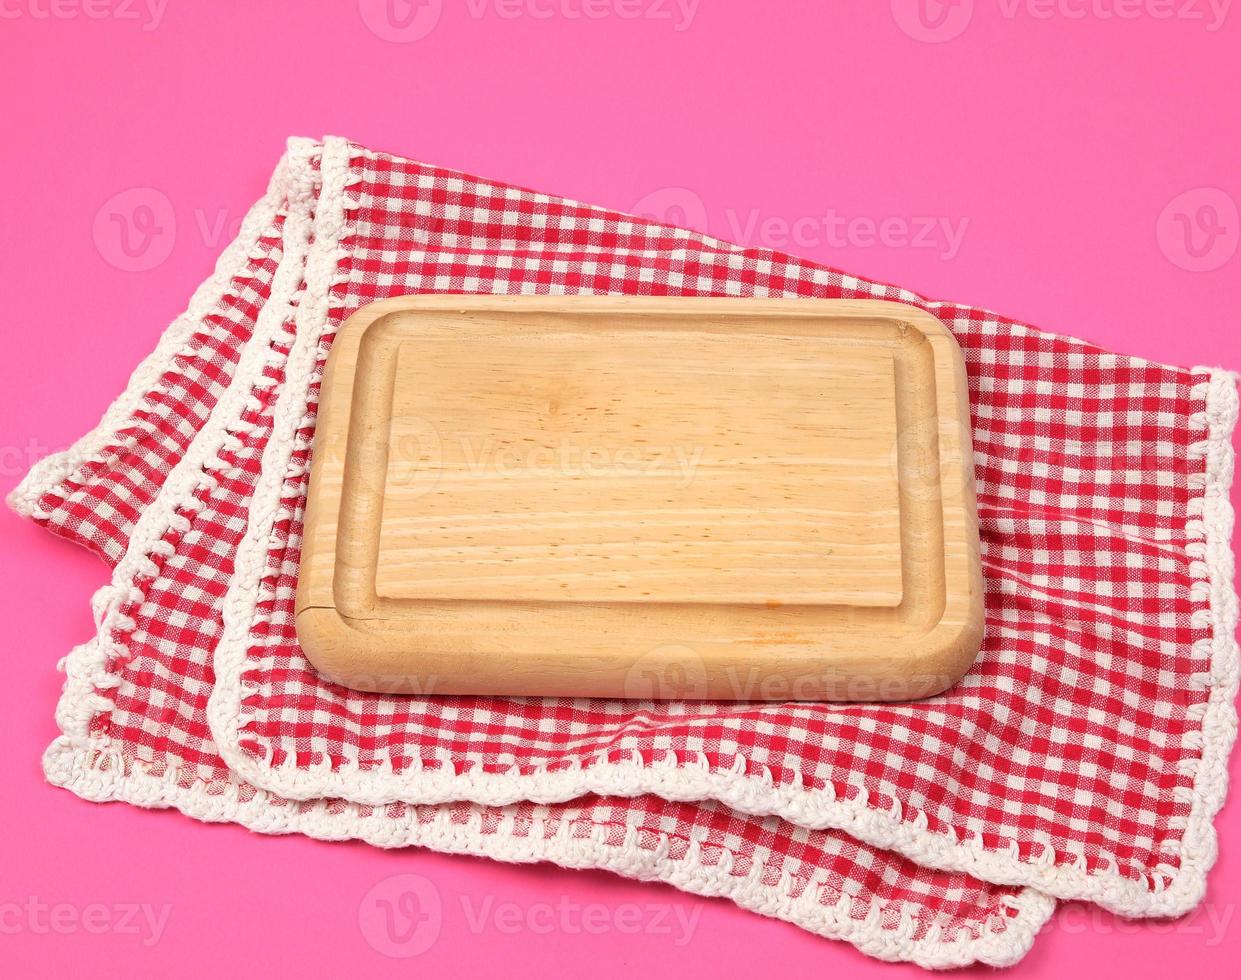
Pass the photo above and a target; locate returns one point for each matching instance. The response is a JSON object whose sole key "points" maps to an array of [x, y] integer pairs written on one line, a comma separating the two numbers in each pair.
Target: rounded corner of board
{"points": [[325, 638], [956, 648], [920, 319], [373, 316], [928, 324]]}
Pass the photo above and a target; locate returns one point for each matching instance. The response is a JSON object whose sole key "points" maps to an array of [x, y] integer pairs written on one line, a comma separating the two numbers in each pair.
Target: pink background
{"points": [[1064, 143]]}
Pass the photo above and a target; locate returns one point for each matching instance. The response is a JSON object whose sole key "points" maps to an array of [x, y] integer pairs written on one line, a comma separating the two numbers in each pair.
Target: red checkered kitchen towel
{"points": [[1083, 757]]}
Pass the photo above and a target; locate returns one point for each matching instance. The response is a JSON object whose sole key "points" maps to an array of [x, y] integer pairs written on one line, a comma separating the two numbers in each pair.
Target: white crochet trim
{"points": [[99, 774], [86, 667], [1163, 890], [55, 468], [92, 768], [288, 416]]}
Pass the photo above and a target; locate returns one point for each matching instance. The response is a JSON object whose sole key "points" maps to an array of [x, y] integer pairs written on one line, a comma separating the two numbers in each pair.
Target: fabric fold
{"points": [[93, 492]]}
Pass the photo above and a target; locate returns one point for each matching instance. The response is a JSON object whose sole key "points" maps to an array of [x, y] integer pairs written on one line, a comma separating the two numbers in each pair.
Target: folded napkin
{"points": [[1083, 757]]}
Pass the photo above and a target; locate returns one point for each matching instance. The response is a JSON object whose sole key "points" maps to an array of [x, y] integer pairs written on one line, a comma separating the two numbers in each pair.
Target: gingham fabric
{"points": [[97, 491], [1082, 757]]}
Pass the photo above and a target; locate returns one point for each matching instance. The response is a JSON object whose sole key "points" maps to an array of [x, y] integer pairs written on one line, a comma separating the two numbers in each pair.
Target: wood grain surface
{"points": [[642, 497]]}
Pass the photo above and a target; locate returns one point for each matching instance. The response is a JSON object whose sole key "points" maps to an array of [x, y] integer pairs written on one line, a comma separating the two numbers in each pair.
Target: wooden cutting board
{"points": [[642, 497]]}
